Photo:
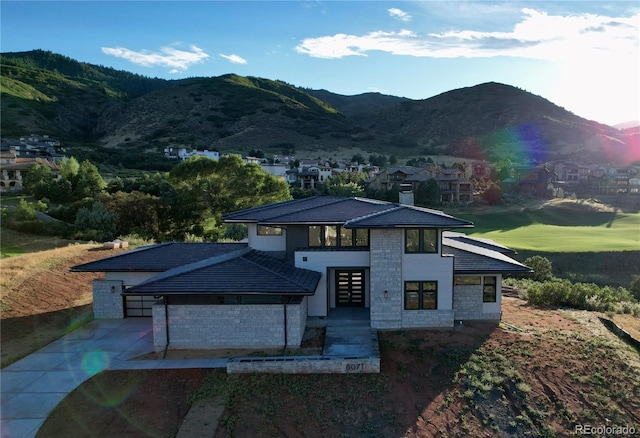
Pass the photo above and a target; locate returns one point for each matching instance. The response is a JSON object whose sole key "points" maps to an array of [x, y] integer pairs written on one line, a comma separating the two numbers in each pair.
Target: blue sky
{"points": [[581, 55]]}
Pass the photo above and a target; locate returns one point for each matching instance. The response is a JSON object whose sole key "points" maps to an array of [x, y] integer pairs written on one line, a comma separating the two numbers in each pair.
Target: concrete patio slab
{"points": [[347, 342]]}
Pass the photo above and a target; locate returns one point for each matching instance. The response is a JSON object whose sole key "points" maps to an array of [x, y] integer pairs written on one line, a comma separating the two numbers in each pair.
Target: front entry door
{"points": [[350, 288]]}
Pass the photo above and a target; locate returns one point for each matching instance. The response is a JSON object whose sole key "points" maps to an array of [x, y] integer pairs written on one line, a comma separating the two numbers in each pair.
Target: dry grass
{"points": [[14, 270]]}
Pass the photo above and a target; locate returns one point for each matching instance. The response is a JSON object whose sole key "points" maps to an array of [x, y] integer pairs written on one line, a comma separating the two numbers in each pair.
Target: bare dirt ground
{"points": [[40, 299], [541, 372]]}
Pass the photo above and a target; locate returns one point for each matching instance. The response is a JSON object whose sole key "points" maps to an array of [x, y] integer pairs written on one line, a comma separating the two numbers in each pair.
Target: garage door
{"points": [[136, 305]]}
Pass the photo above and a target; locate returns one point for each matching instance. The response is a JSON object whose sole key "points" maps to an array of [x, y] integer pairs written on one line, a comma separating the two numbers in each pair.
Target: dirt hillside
{"points": [[40, 299]]}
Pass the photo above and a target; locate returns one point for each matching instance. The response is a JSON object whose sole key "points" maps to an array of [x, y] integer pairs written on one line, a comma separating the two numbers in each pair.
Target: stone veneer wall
{"points": [[310, 364], [467, 302], [386, 247], [442, 318], [296, 322], [468, 305], [212, 326], [108, 302]]}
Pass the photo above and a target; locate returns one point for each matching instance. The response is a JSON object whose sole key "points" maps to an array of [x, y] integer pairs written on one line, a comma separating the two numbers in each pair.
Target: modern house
{"points": [[306, 258]]}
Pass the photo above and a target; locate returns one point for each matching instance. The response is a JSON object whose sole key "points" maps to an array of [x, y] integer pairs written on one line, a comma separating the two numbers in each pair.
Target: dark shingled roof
{"points": [[352, 212], [316, 210], [471, 259], [159, 258], [408, 216], [249, 272], [482, 243]]}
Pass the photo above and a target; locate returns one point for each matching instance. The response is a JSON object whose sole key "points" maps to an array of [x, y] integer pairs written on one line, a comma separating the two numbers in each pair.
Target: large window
{"points": [[421, 241], [335, 236], [489, 288], [420, 295], [266, 230]]}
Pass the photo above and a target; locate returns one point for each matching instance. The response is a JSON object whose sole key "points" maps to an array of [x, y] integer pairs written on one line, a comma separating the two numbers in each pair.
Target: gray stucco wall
{"points": [[228, 326], [107, 299]]}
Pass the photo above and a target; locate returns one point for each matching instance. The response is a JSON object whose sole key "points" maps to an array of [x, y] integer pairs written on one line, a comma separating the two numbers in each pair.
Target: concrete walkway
{"points": [[343, 341], [33, 386]]}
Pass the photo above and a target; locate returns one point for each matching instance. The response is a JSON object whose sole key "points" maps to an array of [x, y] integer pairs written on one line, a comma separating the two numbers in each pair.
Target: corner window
{"points": [[362, 237], [265, 230], [315, 235], [420, 295], [421, 241], [489, 290]]}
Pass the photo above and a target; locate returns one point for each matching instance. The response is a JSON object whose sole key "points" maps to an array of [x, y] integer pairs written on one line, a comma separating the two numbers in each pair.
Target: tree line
{"points": [[185, 203]]}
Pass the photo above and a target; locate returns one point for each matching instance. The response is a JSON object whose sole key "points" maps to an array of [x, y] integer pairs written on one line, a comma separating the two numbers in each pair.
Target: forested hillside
{"points": [[102, 109]]}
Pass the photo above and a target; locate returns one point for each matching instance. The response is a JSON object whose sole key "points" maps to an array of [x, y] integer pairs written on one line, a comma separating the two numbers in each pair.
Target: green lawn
{"points": [[560, 230]]}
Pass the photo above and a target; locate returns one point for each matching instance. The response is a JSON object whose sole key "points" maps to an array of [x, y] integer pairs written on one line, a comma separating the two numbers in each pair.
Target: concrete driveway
{"points": [[33, 386]]}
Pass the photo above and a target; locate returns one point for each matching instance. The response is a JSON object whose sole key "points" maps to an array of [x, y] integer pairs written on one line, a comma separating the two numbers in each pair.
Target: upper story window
{"points": [[265, 230], [336, 236], [421, 241]]}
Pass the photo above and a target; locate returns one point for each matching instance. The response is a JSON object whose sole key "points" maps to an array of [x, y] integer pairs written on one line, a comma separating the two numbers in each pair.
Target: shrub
{"points": [[634, 287], [541, 266], [24, 211], [587, 296]]}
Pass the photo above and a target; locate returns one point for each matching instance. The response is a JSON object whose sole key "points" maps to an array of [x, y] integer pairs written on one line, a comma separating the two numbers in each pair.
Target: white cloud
{"points": [[399, 14], [235, 59], [172, 57], [538, 35]]}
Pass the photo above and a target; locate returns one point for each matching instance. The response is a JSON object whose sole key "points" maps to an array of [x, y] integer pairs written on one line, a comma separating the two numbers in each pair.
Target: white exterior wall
{"points": [[391, 267], [429, 267], [266, 243], [321, 261], [130, 278], [494, 310]]}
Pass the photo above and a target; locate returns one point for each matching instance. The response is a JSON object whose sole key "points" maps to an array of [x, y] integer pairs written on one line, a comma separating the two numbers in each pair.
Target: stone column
{"points": [[108, 302], [386, 246]]}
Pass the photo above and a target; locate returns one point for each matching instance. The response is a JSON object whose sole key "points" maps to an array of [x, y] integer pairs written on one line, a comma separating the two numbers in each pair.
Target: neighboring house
{"points": [[453, 184], [305, 258], [537, 183], [276, 169], [14, 170], [182, 153], [309, 176]]}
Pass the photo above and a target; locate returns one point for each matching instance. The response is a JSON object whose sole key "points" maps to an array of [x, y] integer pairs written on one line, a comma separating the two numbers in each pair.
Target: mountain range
{"points": [[99, 107]]}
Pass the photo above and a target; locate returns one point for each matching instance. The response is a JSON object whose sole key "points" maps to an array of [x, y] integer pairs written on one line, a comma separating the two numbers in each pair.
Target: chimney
{"points": [[405, 196]]}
